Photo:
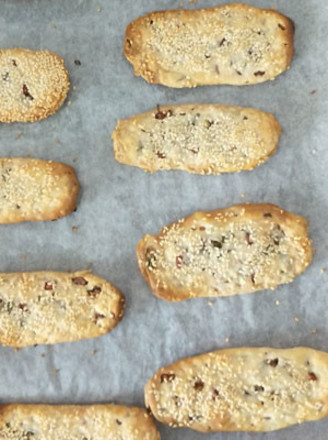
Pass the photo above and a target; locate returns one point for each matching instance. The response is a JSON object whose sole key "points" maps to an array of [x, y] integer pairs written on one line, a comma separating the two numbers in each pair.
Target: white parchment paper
{"points": [[120, 204]]}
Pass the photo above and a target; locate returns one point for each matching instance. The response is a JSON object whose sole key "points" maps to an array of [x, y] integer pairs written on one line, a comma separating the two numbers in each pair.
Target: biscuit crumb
{"points": [[69, 103], [75, 228], [89, 267], [227, 340], [23, 257], [18, 135], [210, 303], [323, 270], [181, 5], [54, 25], [314, 331], [99, 9], [57, 141], [313, 92], [296, 319], [42, 355], [55, 371], [75, 159], [16, 349], [314, 152], [94, 352], [277, 303], [242, 195]]}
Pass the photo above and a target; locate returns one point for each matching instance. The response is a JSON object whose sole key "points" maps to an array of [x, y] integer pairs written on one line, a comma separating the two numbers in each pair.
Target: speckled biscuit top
{"points": [[241, 249], [96, 422], [33, 84], [232, 44], [36, 190], [199, 138], [52, 307], [242, 389]]}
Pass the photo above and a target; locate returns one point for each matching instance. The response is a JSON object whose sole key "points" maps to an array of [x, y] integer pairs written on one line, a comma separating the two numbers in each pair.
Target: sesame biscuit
{"points": [[52, 307], [242, 249], [34, 84], [199, 138], [241, 389], [36, 190], [100, 422], [233, 44]]}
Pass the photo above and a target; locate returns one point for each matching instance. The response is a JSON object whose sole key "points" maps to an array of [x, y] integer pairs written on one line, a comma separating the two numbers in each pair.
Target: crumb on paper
{"points": [[89, 267], [94, 352], [69, 269], [227, 339], [69, 103], [323, 270], [75, 159], [74, 87], [242, 195], [54, 25], [313, 92], [16, 349], [296, 319], [18, 135], [181, 5], [23, 257], [75, 228], [277, 302], [29, 155], [210, 303], [99, 9], [42, 355], [55, 371], [314, 331], [57, 141], [314, 152]]}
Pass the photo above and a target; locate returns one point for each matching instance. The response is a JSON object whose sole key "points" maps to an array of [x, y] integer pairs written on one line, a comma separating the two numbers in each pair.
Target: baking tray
{"points": [[120, 204]]}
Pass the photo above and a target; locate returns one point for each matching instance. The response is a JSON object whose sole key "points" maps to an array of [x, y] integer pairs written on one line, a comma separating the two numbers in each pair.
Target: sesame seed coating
{"points": [[232, 44], [36, 190], [51, 307], [241, 389], [199, 138], [33, 84], [242, 249], [101, 422]]}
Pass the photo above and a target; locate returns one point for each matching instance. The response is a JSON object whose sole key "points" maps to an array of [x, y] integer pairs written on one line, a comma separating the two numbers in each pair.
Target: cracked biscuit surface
{"points": [[51, 307], [232, 44], [241, 389], [101, 422], [199, 138], [33, 84], [242, 249]]}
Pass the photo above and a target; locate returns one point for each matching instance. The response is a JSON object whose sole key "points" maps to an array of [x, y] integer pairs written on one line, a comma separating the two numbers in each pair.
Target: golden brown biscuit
{"points": [[233, 44], [36, 190], [101, 422], [51, 307], [34, 84], [199, 138], [241, 389], [230, 251]]}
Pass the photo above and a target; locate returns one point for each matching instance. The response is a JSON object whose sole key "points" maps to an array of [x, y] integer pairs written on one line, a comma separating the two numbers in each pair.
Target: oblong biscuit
{"points": [[199, 138], [241, 389], [36, 190], [242, 249], [101, 422], [34, 84], [52, 307], [232, 44]]}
